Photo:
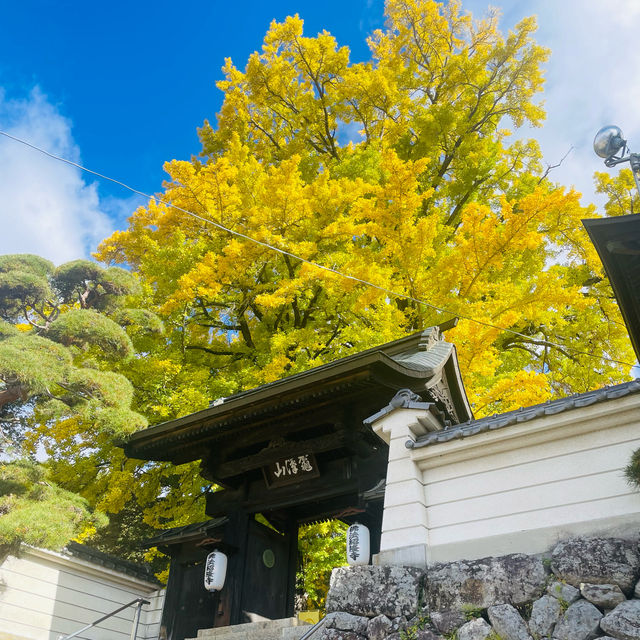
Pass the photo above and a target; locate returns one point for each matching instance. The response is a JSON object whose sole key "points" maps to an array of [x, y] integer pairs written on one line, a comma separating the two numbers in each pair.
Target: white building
{"points": [[44, 595]]}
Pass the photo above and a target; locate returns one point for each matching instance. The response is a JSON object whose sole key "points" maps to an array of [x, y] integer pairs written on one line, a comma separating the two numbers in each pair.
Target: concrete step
{"points": [[256, 634], [260, 630], [295, 633], [260, 625]]}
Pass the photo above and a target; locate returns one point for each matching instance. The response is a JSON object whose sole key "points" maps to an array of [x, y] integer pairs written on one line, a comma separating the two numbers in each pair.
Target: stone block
{"points": [[476, 629], [623, 622], [563, 592], [347, 622], [373, 590], [508, 623], [338, 634], [447, 621], [379, 627], [545, 613], [604, 596], [581, 621], [515, 578], [295, 633], [597, 561], [397, 624], [426, 634]]}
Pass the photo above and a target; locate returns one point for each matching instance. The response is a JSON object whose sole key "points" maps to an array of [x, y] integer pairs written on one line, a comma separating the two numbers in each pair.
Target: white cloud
{"points": [[592, 81], [46, 207], [592, 78]]}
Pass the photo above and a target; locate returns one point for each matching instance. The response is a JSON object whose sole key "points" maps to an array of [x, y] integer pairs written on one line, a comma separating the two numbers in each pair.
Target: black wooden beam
{"points": [[284, 422], [231, 468], [259, 498]]}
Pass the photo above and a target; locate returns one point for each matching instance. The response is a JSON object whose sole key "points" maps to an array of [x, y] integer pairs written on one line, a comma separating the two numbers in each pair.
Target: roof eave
{"points": [[601, 231], [270, 395]]}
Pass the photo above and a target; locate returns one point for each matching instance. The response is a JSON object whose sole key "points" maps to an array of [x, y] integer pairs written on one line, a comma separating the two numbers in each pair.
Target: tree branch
{"points": [[212, 351], [12, 394], [550, 167]]}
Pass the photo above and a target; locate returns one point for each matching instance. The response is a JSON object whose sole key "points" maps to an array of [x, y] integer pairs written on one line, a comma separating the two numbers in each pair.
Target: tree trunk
{"points": [[12, 394]]}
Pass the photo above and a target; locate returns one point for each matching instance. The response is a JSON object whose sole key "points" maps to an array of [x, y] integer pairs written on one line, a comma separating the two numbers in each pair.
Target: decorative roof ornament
{"points": [[403, 398]]}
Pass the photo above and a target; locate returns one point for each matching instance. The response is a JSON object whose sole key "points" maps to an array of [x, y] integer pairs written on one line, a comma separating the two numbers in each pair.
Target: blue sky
{"points": [[122, 87]]}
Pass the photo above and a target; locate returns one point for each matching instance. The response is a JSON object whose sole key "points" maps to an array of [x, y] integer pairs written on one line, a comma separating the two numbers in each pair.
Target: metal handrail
{"points": [[134, 631], [318, 625]]}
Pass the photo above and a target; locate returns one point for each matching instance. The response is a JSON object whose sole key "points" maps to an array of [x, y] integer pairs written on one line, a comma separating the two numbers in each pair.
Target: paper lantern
{"points": [[215, 571], [358, 544]]}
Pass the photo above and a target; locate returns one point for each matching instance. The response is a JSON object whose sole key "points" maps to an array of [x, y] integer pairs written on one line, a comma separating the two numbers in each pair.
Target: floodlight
{"points": [[608, 141]]}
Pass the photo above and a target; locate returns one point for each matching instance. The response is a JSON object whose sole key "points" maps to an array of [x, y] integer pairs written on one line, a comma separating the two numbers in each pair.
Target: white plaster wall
{"points": [[404, 520], [44, 595], [520, 488]]}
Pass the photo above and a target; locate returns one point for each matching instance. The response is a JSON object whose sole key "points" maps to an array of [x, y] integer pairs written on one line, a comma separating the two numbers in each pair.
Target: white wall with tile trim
{"points": [[520, 488]]}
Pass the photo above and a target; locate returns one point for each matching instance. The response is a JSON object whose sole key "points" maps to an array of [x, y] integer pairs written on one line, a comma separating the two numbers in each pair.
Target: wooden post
{"points": [[237, 531], [292, 532]]}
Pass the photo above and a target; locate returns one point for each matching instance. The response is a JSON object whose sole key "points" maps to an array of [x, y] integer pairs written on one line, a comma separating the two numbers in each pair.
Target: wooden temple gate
{"points": [[294, 451]]}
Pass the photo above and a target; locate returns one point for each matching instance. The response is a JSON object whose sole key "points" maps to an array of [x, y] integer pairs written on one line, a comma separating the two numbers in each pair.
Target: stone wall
{"points": [[584, 588]]}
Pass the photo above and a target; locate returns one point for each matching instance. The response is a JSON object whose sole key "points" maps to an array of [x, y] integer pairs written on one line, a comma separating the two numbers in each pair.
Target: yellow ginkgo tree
{"points": [[339, 205], [399, 172]]}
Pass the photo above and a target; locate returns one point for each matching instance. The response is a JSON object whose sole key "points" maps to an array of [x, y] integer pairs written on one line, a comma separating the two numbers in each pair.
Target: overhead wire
{"points": [[266, 245]]}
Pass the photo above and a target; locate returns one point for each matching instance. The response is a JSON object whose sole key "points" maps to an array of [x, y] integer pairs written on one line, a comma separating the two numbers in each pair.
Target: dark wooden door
{"points": [[196, 608], [266, 575]]}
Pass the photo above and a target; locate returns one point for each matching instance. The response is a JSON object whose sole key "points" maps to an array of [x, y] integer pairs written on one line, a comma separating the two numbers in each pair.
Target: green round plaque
{"points": [[269, 558]]}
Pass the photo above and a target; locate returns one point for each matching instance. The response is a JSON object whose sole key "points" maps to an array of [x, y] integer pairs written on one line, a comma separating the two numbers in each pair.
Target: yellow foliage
{"points": [[88, 532], [523, 389], [432, 200]]}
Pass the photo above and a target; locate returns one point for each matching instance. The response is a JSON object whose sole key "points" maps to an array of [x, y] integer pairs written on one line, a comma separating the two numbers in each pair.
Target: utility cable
{"points": [[544, 343]]}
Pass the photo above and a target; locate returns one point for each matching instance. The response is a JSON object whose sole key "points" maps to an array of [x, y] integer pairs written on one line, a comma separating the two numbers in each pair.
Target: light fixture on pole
{"points": [[610, 144]]}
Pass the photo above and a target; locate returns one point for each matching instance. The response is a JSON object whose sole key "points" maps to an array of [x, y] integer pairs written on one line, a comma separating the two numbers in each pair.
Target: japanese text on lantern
{"points": [[354, 543]]}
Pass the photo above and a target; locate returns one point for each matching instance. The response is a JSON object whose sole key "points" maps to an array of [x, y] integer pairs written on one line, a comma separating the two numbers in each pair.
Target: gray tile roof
{"points": [[418, 360], [186, 532], [84, 552], [552, 407], [427, 361], [428, 356]]}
